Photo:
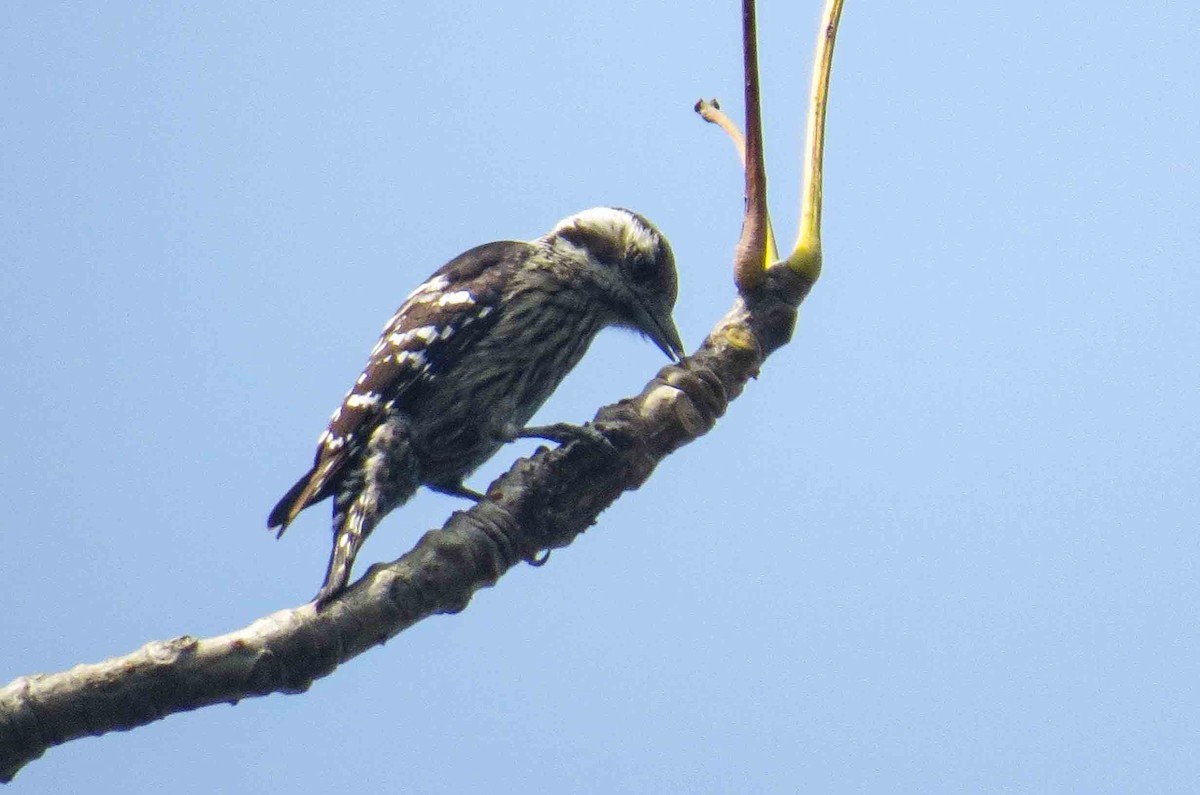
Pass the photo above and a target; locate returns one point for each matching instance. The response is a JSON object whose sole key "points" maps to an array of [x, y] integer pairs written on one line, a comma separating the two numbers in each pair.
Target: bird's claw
{"points": [[458, 490], [564, 432]]}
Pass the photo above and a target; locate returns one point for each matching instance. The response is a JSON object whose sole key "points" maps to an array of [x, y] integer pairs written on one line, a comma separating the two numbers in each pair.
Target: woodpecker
{"points": [[467, 360]]}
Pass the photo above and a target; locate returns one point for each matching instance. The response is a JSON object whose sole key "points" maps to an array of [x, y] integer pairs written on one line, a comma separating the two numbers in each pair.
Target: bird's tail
{"points": [[350, 535], [310, 489], [285, 511]]}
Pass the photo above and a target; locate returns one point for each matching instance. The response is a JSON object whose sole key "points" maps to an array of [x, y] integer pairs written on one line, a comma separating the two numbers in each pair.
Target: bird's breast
{"points": [[499, 384]]}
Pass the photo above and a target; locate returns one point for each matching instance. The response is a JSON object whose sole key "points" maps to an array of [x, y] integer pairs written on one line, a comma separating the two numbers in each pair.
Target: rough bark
{"points": [[541, 503]]}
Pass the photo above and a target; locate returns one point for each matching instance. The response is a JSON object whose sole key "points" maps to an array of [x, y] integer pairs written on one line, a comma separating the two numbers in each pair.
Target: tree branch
{"points": [[710, 111], [750, 258], [541, 503]]}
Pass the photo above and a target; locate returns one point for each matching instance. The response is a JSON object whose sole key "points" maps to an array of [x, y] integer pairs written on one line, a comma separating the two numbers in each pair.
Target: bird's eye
{"points": [[641, 268]]}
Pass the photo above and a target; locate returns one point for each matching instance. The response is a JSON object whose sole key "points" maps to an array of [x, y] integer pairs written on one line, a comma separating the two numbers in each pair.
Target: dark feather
{"points": [[404, 364]]}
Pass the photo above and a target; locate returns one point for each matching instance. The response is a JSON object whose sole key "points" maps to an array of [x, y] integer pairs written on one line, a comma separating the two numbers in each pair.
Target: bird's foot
{"points": [[328, 592], [458, 490], [564, 432]]}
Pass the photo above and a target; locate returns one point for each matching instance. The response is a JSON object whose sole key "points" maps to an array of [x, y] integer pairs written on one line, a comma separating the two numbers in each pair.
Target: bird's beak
{"points": [[662, 332]]}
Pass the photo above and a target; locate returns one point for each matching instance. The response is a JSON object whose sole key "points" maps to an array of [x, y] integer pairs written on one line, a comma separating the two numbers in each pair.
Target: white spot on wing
{"points": [[362, 401], [425, 291], [456, 298], [426, 334], [414, 357]]}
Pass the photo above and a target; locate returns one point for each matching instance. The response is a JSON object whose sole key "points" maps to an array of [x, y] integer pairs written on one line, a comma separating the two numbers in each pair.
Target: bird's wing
{"points": [[434, 327]]}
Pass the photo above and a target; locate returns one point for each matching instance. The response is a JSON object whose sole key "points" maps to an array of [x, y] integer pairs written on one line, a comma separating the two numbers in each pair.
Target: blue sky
{"points": [[946, 543]]}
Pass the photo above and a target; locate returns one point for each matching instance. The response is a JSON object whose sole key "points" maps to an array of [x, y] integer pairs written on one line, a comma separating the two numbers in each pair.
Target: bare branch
{"points": [[541, 503], [710, 111], [749, 258]]}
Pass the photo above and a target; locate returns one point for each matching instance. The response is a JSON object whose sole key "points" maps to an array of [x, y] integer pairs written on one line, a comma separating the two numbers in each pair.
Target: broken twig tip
{"points": [[709, 110]]}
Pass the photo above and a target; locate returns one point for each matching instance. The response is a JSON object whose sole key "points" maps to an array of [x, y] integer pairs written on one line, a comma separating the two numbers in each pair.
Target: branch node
{"points": [[501, 529]]}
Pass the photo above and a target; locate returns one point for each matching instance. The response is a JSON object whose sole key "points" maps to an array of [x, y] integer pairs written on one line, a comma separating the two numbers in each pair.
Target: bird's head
{"points": [[632, 265]]}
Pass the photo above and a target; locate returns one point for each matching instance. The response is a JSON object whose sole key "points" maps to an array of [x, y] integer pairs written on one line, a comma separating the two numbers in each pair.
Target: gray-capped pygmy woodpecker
{"points": [[469, 357]]}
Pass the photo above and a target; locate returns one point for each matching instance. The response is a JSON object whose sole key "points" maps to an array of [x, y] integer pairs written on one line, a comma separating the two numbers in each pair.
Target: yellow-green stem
{"points": [[805, 258]]}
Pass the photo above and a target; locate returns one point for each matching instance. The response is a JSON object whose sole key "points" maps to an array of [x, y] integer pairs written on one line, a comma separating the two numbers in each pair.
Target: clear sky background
{"points": [[947, 543]]}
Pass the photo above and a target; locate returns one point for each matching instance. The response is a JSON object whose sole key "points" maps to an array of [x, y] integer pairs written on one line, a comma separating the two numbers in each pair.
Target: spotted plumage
{"points": [[469, 357]]}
